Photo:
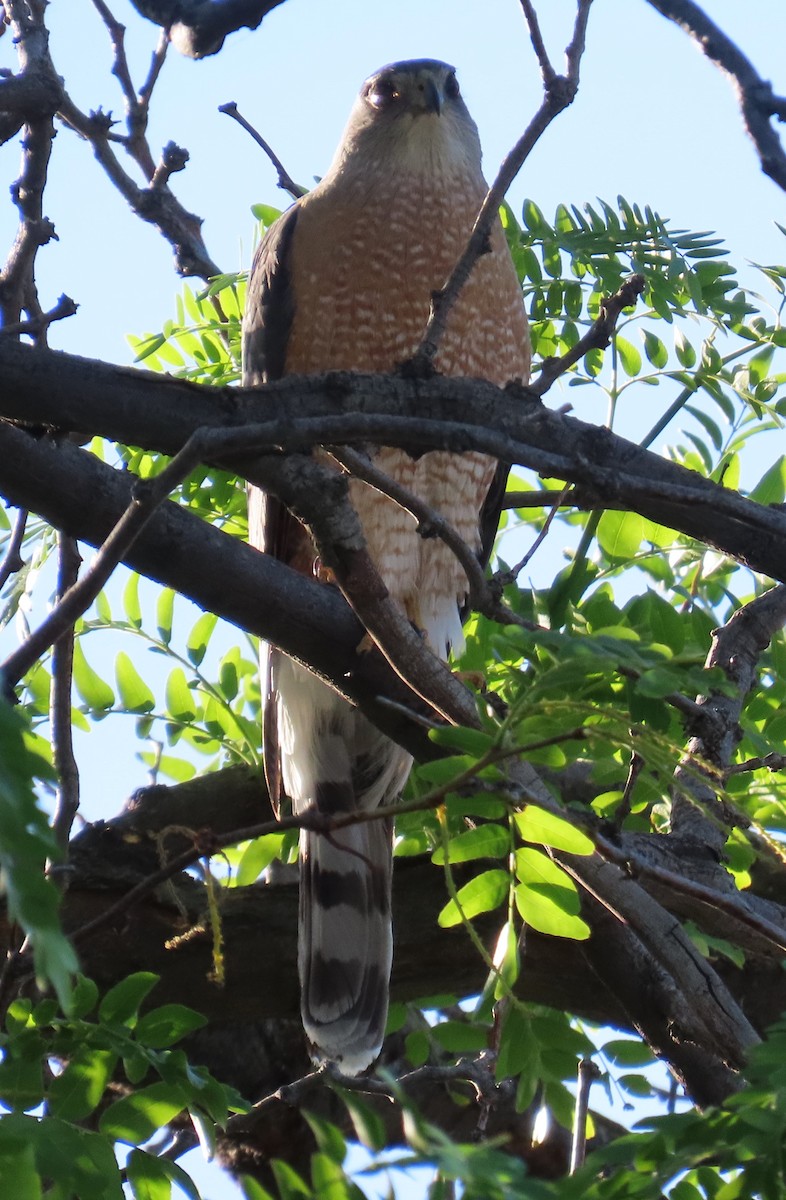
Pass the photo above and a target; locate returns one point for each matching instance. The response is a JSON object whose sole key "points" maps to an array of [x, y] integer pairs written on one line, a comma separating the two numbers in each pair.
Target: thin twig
{"points": [[136, 111], [65, 307], [635, 767], [18, 289], [560, 91], [285, 180], [538, 45], [768, 762], [78, 598], [431, 523], [588, 1074], [67, 804], [157, 62], [758, 104], [12, 560], [597, 336], [505, 578]]}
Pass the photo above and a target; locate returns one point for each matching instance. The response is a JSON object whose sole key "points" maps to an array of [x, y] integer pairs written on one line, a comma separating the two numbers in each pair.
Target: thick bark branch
{"points": [[139, 408], [76, 492], [198, 27]]}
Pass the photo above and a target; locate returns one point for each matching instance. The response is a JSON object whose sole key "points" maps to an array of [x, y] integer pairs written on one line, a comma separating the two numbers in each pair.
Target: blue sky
{"points": [[654, 121]]}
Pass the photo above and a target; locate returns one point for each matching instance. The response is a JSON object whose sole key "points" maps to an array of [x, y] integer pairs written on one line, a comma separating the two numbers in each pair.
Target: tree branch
{"points": [[139, 408], [736, 649], [285, 180], [758, 104], [173, 550], [560, 92], [198, 27], [18, 290]]}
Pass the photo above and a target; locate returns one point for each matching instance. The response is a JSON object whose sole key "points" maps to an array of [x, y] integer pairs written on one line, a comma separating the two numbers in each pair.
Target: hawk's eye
{"points": [[382, 93], [452, 89]]}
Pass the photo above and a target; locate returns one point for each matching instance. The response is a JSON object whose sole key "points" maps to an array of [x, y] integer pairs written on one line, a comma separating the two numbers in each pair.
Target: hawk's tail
{"points": [[333, 759], [345, 943]]}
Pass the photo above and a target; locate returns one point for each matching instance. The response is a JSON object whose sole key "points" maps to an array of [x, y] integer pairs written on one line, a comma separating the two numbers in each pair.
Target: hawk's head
{"points": [[410, 114]]}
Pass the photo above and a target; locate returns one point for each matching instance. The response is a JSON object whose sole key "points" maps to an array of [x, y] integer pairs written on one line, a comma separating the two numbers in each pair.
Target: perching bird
{"points": [[343, 281]]}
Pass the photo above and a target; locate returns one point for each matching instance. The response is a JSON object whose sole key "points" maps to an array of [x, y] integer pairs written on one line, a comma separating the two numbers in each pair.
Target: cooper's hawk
{"points": [[343, 281]]}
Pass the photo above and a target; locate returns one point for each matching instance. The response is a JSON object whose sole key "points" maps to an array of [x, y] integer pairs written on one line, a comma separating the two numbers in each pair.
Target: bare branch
{"points": [[769, 762], [285, 180], [77, 598], [758, 104], [198, 27], [430, 522], [12, 559], [736, 649], [588, 1074], [139, 408], [560, 91], [18, 290], [173, 159], [136, 106], [67, 804], [158, 206], [597, 336], [65, 307]]}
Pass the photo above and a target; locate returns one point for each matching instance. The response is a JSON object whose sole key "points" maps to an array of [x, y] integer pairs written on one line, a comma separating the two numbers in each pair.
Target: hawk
{"points": [[343, 281]]}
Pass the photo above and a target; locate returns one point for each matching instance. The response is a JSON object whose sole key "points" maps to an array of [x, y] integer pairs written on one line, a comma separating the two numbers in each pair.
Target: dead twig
{"points": [[285, 180], [560, 91], [597, 336], [65, 307]]}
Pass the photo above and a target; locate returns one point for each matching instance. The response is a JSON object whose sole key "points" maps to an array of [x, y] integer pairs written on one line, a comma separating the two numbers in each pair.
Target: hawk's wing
{"points": [[267, 322]]}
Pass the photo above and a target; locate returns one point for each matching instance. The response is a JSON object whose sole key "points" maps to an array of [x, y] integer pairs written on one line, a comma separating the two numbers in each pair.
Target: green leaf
{"points": [[470, 741], [485, 841], [78, 1162], [482, 894], [131, 603], [621, 533], [164, 610], [179, 699], [18, 1175], [84, 997], [461, 1037], [771, 488], [198, 638], [628, 356], [258, 855], [166, 1025], [288, 1182], [536, 825], [655, 350], [135, 695], [21, 1074], [547, 897], [625, 1052], [253, 1190], [328, 1137], [149, 1175], [368, 1125], [96, 693], [136, 1117], [26, 844], [79, 1089], [684, 350], [120, 1005]]}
